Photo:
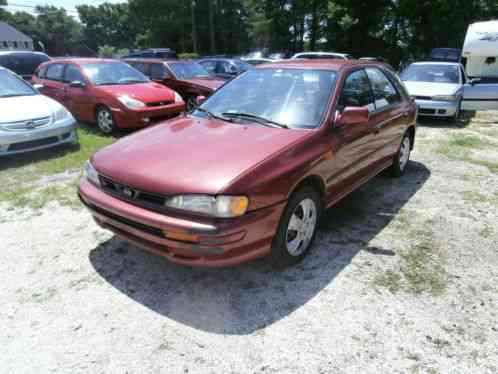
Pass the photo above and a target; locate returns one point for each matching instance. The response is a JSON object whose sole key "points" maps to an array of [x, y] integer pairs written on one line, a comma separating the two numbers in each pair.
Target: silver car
{"points": [[437, 87], [29, 120]]}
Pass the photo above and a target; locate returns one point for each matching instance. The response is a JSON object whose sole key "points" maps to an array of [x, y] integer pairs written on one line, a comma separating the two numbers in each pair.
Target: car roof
{"points": [[81, 60], [323, 64], [155, 60], [321, 53], [22, 52], [436, 63]]}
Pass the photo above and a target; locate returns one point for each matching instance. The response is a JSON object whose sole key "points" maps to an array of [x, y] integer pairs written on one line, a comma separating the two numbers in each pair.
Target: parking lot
{"points": [[403, 278]]}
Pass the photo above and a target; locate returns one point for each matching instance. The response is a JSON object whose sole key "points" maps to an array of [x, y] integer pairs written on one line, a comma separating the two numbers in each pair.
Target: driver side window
{"points": [[356, 91]]}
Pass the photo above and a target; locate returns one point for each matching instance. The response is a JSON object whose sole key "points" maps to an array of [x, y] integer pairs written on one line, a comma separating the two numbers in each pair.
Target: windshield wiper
{"points": [[258, 119], [212, 115]]}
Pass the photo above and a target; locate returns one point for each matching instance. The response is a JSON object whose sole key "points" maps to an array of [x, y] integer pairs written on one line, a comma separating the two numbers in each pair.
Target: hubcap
{"points": [[105, 121], [404, 153], [301, 227]]}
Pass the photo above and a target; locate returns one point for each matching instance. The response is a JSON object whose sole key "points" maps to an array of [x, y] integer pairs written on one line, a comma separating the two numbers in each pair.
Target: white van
{"points": [[480, 55]]}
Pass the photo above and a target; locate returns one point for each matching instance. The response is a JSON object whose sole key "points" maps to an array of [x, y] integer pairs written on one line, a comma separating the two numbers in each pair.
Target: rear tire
{"points": [[402, 157], [105, 120], [297, 228]]}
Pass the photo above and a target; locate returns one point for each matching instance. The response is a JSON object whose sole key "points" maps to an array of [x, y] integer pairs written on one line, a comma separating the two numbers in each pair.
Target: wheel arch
{"points": [[314, 181]]}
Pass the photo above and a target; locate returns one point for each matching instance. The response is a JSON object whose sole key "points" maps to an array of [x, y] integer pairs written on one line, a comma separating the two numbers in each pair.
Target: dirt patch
{"points": [[402, 279]]}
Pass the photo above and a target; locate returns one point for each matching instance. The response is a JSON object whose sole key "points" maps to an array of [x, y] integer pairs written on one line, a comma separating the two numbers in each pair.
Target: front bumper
{"points": [[51, 135], [128, 118], [221, 242], [437, 108]]}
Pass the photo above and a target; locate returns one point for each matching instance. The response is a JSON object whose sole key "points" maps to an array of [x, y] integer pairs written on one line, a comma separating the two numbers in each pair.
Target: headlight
{"points": [[61, 114], [178, 98], [91, 174], [130, 102], [445, 98], [220, 206]]}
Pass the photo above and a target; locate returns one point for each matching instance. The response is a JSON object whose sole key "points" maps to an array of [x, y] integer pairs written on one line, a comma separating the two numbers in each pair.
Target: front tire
{"points": [[297, 228], [401, 158], [105, 120]]}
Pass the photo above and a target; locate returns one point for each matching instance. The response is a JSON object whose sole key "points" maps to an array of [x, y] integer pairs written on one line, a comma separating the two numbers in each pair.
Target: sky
{"points": [[69, 5]]}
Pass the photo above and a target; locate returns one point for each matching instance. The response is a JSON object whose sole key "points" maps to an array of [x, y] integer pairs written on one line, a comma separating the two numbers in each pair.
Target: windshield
{"points": [[434, 73], [11, 86], [112, 73], [292, 97], [188, 70]]}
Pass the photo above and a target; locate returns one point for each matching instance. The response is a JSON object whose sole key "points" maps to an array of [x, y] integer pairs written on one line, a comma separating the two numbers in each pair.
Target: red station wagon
{"points": [[107, 92], [248, 173], [188, 78]]}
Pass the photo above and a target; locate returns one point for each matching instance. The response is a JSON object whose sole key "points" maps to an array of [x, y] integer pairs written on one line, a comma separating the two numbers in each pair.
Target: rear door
{"points": [[52, 81], [390, 114]]}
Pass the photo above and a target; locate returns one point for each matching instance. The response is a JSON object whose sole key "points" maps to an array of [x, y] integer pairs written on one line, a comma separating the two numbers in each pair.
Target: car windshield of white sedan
{"points": [[433, 73], [294, 98], [189, 70], [113, 73], [11, 86]]}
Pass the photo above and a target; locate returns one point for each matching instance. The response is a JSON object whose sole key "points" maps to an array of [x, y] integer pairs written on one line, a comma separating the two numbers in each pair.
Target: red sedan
{"points": [[248, 173], [107, 92], [189, 78]]}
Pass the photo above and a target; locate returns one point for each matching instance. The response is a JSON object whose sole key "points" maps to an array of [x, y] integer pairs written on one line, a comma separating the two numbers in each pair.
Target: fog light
{"points": [[181, 235]]}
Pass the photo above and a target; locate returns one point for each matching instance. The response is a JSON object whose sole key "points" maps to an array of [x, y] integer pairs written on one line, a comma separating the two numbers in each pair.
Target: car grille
{"points": [[132, 195], [423, 98], [33, 144], [160, 103], [26, 124], [427, 111]]}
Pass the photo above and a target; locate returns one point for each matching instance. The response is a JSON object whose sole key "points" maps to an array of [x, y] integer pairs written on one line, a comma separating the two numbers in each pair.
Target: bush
{"points": [[107, 51], [188, 56]]}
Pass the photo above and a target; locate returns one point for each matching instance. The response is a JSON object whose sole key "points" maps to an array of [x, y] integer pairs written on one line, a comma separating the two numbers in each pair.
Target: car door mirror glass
{"points": [[352, 116]]}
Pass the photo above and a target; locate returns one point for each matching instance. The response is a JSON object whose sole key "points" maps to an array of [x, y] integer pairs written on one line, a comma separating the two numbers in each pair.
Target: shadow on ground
{"points": [[247, 298], [462, 122]]}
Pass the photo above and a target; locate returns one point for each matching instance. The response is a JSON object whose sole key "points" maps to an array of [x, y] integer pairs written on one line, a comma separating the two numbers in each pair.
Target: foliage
{"points": [[188, 56], [107, 51], [397, 30]]}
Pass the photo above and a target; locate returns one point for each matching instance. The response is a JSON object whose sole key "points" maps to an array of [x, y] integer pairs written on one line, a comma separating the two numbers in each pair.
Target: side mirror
{"points": [[38, 86], [474, 81], [352, 116], [77, 84], [200, 99]]}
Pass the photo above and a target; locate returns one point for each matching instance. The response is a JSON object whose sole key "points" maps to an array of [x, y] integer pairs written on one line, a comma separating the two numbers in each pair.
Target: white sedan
{"points": [[437, 87], [29, 120]]}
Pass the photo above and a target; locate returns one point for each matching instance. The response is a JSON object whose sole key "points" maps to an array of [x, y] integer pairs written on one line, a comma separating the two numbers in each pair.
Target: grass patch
{"points": [[459, 147], [419, 270], [21, 175]]}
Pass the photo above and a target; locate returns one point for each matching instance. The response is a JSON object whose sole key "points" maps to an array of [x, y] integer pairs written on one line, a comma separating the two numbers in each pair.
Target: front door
{"points": [[351, 144], [481, 95]]}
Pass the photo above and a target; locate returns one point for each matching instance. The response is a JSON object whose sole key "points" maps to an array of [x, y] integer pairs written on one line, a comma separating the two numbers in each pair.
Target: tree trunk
{"points": [[314, 25], [212, 31], [194, 27]]}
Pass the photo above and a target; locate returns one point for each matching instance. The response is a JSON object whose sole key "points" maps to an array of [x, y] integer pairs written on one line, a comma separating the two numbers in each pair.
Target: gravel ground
{"points": [[403, 278]]}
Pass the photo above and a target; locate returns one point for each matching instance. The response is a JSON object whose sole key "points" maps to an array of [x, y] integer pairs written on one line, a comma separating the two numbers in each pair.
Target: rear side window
{"points": [[384, 92], [73, 74], [356, 91], [157, 71], [141, 67], [210, 66], [54, 72]]}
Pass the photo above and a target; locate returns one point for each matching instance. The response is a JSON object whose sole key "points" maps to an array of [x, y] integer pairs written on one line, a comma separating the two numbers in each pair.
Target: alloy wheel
{"points": [[301, 227], [105, 121], [404, 153]]}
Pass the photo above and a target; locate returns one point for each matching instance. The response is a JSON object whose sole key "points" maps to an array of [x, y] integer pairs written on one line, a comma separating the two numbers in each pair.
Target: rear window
{"points": [[23, 63]]}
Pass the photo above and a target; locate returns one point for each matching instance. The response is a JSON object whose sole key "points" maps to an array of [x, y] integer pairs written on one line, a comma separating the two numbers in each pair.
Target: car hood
{"points": [[210, 83], [431, 89], [22, 108], [191, 155], [145, 92]]}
